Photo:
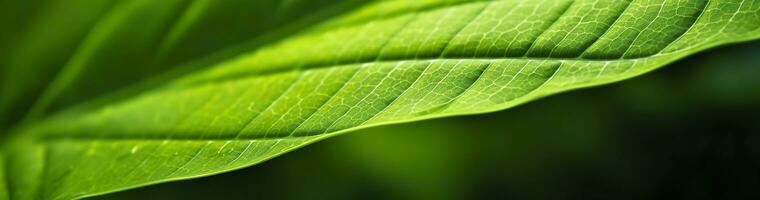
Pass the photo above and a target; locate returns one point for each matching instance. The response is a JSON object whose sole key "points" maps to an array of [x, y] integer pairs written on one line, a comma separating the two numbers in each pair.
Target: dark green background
{"points": [[690, 130]]}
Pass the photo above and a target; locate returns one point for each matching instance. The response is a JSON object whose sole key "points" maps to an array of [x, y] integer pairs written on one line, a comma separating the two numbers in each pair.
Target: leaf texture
{"points": [[384, 63]]}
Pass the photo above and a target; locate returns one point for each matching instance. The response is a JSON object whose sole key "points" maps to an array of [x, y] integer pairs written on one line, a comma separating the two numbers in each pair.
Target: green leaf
{"points": [[385, 62]]}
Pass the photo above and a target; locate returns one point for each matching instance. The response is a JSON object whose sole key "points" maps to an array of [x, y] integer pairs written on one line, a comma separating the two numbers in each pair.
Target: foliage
{"points": [[167, 90]]}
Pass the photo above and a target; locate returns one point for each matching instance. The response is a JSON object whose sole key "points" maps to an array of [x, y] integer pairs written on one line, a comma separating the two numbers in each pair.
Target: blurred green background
{"points": [[690, 130]]}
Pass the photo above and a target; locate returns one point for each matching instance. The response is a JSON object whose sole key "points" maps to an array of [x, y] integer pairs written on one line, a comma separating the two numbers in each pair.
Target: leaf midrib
{"points": [[423, 59]]}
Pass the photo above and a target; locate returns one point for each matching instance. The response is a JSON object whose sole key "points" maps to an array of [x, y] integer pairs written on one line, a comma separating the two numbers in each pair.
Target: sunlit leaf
{"points": [[385, 62]]}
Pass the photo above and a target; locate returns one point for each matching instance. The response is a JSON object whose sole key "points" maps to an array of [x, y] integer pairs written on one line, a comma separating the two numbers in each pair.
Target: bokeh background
{"points": [[690, 130]]}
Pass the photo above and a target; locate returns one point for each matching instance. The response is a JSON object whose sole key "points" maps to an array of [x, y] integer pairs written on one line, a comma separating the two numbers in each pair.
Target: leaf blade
{"points": [[404, 68]]}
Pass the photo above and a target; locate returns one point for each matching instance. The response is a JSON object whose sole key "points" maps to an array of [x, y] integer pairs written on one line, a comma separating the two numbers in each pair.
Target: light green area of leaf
{"points": [[386, 62]]}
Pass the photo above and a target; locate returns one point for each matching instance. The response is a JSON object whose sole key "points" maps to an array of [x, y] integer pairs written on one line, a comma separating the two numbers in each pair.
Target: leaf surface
{"points": [[386, 62]]}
